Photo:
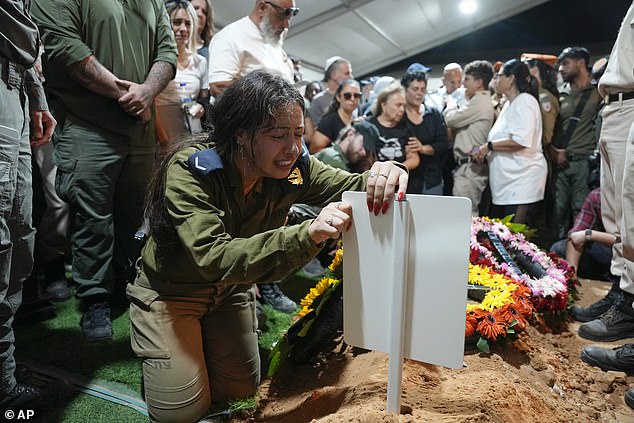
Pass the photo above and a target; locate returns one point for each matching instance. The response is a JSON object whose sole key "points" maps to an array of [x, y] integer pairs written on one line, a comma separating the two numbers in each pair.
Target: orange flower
{"points": [[523, 305], [508, 313], [470, 326], [522, 291], [491, 327]]}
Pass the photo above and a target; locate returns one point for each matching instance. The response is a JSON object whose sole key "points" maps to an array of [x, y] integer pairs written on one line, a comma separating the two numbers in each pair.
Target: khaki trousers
{"points": [[616, 145], [470, 180], [194, 349]]}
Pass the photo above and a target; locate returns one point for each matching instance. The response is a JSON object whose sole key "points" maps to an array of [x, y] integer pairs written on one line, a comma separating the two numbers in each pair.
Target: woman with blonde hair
{"points": [[178, 113]]}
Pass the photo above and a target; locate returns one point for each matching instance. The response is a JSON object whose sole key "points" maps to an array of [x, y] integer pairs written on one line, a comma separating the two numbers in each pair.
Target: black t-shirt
{"points": [[330, 125], [392, 142]]}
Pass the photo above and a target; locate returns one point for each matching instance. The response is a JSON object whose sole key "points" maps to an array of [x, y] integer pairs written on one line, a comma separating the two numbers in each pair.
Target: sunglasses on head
{"points": [[348, 96], [289, 12]]}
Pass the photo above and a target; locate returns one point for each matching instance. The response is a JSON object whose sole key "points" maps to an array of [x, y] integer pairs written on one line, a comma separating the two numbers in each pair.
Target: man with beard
{"points": [[253, 42], [575, 138]]}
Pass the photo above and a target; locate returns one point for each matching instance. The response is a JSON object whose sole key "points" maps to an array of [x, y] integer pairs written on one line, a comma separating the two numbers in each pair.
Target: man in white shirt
{"points": [[471, 124], [250, 43]]}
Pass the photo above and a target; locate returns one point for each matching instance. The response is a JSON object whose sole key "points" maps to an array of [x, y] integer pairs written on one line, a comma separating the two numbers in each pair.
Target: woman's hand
{"points": [[415, 145], [331, 222], [479, 154], [383, 180]]}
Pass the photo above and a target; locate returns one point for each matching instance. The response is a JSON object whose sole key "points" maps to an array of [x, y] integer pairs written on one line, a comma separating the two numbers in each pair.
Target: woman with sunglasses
{"points": [[338, 116], [175, 117]]}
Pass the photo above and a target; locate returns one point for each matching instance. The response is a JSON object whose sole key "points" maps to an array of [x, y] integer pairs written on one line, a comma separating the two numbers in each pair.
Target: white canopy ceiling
{"points": [[374, 33]]}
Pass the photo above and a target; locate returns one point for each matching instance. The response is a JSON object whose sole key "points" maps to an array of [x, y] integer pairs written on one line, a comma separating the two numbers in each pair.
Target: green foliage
{"points": [[483, 345], [276, 324], [520, 228]]}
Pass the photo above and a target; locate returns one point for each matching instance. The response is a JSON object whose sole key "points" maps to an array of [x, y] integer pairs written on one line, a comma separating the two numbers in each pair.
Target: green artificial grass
{"points": [[57, 344]]}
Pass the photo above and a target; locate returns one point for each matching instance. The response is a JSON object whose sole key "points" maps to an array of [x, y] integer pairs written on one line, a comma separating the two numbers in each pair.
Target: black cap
{"points": [[370, 134], [575, 53]]}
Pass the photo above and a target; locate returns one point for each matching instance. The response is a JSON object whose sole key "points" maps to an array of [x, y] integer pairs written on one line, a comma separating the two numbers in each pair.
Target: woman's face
{"points": [[200, 6], [275, 150], [182, 26], [504, 83], [349, 97], [394, 107], [415, 93]]}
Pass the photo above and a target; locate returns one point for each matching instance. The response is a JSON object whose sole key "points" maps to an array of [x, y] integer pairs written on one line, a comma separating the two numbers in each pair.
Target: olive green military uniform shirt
{"points": [[583, 140], [333, 156], [549, 105], [126, 37], [229, 238]]}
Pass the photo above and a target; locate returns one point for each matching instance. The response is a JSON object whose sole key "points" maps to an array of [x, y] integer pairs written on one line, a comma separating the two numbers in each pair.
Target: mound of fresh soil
{"points": [[538, 378]]}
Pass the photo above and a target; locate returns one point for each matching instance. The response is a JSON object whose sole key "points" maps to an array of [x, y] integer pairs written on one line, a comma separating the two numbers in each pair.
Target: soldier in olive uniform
{"points": [[216, 214]]}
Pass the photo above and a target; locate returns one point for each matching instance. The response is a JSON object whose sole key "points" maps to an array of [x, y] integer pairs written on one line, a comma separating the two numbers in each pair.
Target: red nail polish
{"points": [[400, 196], [385, 207], [377, 209], [370, 206]]}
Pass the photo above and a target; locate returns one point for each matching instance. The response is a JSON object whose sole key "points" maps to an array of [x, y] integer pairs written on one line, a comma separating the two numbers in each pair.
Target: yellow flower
{"points": [[336, 262], [496, 299], [315, 292]]}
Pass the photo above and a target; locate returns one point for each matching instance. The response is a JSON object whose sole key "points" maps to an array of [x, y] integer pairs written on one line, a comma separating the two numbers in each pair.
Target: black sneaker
{"points": [[22, 372], [616, 323], [629, 397], [272, 295], [59, 291], [28, 396], [96, 324], [592, 312]]}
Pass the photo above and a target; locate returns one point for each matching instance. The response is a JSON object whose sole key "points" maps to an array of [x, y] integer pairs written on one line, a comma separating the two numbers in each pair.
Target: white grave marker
{"points": [[405, 282]]}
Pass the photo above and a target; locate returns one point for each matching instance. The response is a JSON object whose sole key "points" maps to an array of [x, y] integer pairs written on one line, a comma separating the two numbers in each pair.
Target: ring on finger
{"points": [[329, 221], [337, 206], [372, 174], [381, 174]]}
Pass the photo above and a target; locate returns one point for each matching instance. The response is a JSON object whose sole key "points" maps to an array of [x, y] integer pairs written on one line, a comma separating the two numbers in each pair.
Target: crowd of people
{"points": [[182, 157]]}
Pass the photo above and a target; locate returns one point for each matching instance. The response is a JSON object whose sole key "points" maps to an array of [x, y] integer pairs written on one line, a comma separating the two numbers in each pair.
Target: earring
{"points": [[241, 150]]}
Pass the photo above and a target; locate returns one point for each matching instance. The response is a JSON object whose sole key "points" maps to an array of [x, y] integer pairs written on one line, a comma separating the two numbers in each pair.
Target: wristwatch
{"points": [[490, 146], [588, 235]]}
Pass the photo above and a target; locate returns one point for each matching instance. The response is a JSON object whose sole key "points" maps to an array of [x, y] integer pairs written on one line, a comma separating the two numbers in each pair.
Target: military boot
{"points": [[587, 314], [271, 294], [620, 359], [616, 323]]}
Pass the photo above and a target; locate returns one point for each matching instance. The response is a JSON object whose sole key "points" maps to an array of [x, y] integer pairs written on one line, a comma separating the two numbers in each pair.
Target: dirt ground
{"points": [[539, 378]]}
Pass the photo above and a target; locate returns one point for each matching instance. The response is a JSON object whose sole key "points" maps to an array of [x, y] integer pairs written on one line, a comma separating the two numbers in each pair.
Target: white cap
{"points": [[330, 61]]}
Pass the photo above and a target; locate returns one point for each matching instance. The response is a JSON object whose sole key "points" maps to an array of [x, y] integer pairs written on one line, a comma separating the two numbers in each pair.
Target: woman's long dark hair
{"points": [[547, 74], [249, 104], [525, 82]]}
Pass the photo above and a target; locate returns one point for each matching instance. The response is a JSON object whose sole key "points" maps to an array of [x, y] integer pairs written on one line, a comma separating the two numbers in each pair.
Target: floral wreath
{"points": [[519, 278]]}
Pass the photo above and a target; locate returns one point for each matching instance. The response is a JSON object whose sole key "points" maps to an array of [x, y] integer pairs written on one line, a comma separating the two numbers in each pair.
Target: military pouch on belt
{"points": [[11, 74]]}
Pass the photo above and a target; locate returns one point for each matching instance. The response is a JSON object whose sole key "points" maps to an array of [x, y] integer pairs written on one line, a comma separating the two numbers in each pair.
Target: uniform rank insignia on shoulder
{"points": [[295, 177], [204, 162]]}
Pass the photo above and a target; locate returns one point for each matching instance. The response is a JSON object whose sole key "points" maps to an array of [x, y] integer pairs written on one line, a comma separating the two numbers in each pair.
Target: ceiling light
{"points": [[468, 6]]}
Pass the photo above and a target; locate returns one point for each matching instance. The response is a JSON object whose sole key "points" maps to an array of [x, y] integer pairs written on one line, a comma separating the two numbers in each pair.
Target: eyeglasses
{"points": [[348, 96], [289, 12]]}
